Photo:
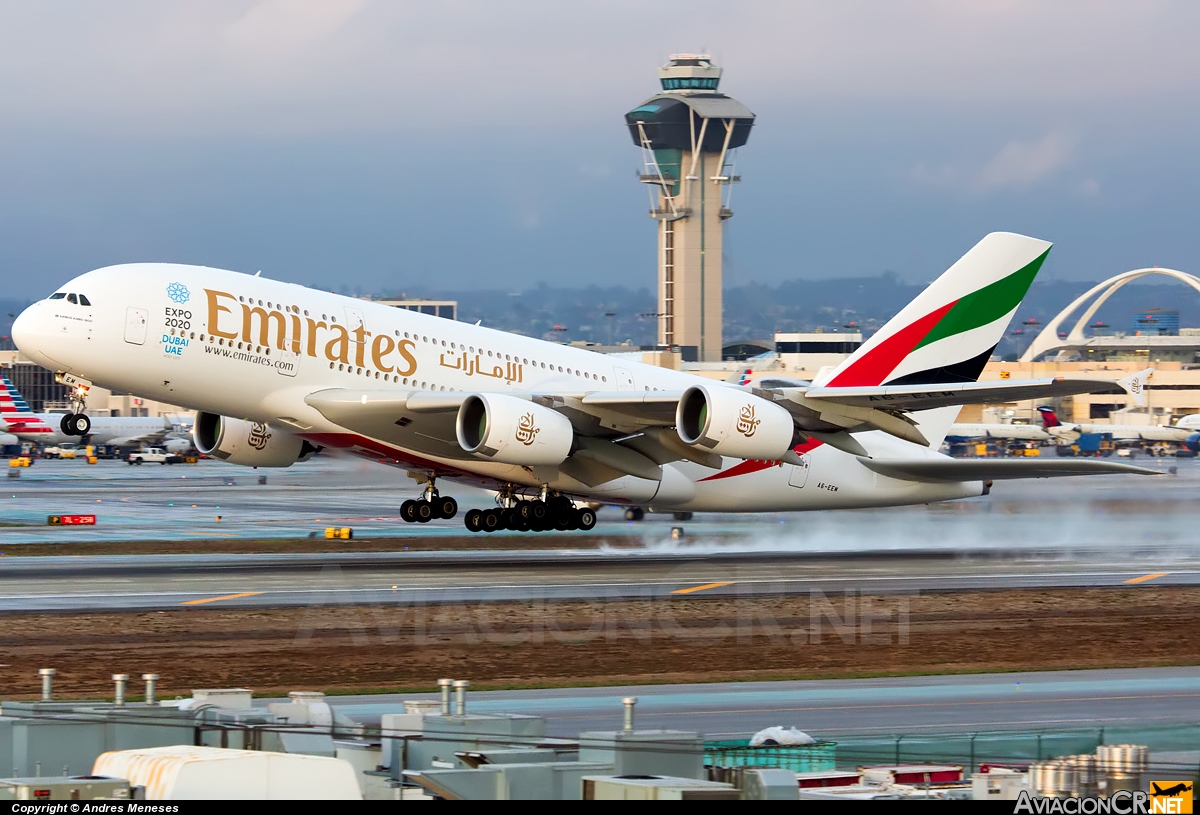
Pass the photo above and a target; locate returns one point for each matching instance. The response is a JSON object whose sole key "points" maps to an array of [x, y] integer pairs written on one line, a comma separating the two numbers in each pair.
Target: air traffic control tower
{"points": [[687, 134]]}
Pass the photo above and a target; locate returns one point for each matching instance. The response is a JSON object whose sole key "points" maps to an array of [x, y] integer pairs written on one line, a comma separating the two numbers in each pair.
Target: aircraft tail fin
{"points": [[1049, 417], [948, 333], [11, 400]]}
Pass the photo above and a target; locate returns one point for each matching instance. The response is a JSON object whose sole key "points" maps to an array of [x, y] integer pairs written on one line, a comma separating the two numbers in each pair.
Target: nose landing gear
{"points": [[76, 423]]}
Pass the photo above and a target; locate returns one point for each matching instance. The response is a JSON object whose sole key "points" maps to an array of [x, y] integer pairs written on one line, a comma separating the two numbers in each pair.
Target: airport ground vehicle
{"points": [[65, 450], [278, 371], [153, 455]]}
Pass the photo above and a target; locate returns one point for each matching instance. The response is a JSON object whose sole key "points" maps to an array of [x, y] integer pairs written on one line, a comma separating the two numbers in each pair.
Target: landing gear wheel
{"points": [[474, 520], [447, 507], [66, 425], [82, 424], [424, 512], [586, 518], [408, 511], [635, 514], [537, 512], [491, 520]]}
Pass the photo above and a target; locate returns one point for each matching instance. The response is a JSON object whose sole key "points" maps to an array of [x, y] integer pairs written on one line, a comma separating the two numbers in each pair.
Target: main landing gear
{"points": [[550, 512], [430, 506]]}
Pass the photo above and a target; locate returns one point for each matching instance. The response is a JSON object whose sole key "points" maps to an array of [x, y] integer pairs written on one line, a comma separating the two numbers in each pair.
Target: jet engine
{"points": [[732, 422], [251, 444], [513, 431], [1193, 442]]}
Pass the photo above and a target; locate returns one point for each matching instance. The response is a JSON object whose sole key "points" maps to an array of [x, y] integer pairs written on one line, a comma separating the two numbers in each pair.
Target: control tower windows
{"points": [[690, 83]]}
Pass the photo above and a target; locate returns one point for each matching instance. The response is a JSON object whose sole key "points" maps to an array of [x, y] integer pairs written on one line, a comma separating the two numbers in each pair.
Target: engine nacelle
{"points": [[251, 444], [731, 422], [513, 431], [1192, 442]]}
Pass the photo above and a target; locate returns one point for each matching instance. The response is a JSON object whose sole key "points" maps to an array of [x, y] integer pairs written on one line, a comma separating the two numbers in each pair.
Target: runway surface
{"points": [[129, 583], [184, 502], [839, 709], [1073, 532]]}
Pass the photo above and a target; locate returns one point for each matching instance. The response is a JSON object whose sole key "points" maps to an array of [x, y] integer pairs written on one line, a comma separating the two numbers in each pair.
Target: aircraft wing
{"points": [[422, 421], [622, 431], [921, 397], [995, 469]]}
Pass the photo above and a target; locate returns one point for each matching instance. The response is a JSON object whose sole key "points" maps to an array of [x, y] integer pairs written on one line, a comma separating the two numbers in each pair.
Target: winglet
{"points": [[1135, 384]]}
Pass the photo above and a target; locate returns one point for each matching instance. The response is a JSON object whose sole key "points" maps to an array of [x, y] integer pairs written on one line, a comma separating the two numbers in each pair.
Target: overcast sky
{"points": [[461, 144]]}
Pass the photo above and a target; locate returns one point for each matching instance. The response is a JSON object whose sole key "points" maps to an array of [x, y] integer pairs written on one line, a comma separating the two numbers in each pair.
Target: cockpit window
{"points": [[58, 295], [72, 299], [83, 301]]}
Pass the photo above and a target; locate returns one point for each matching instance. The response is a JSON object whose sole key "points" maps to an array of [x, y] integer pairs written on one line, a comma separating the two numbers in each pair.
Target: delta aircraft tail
{"points": [[948, 333], [1049, 417]]}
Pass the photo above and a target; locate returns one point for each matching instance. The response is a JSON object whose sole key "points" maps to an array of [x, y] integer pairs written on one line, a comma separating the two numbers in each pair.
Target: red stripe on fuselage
{"points": [[754, 465], [877, 364]]}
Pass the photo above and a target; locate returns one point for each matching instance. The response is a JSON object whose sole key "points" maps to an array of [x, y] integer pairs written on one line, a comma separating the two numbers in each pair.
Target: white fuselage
{"points": [[1021, 432], [253, 348], [105, 429], [1124, 432]]}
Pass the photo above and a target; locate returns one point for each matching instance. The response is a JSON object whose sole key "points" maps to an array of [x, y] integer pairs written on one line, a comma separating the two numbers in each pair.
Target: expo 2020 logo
{"points": [[178, 292]]}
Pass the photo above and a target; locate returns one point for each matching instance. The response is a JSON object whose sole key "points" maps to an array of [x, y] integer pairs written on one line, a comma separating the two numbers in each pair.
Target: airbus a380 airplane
{"points": [[278, 371]]}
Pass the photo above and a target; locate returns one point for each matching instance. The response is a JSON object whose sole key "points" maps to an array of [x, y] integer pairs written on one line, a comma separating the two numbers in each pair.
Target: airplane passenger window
{"points": [[241, 299], [58, 295], [443, 343], [305, 312], [83, 301], [560, 369], [72, 299], [543, 365]]}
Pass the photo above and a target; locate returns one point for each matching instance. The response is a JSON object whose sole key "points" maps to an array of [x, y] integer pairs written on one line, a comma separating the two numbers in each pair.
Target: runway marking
{"points": [[222, 597], [705, 587], [1146, 577]]}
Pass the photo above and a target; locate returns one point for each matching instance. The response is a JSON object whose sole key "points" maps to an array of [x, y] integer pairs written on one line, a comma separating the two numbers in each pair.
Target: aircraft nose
{"points": [[24, 329]]}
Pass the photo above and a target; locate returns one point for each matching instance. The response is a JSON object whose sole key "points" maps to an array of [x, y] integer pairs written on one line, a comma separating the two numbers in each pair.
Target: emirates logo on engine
{"points": [[746, 423], [259, 436], [527, 429]]}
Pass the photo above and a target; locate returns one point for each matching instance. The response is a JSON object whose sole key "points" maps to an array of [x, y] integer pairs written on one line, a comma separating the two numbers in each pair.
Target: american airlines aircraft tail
{"points": [[277, 371]]}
